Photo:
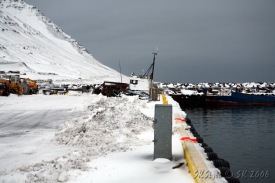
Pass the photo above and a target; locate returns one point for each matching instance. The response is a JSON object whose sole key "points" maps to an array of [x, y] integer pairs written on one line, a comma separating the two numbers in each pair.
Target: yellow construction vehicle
{"points": [[33, 87], [4, 90], [12, 82]]}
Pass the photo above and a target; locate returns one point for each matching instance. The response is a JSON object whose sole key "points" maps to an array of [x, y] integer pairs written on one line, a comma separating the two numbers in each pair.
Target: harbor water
{"points": [[244, 136]]}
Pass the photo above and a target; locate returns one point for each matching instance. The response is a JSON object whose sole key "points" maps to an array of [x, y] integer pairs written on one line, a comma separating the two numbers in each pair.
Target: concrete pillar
{"points": [[163, 131]]}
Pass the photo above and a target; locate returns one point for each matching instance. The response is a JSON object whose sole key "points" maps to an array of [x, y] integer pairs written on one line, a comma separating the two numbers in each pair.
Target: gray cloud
{"points": [[199, 41]]}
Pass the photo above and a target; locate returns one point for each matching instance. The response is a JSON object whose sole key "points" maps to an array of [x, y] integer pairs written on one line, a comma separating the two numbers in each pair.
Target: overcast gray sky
{"points": [[198, 40]]}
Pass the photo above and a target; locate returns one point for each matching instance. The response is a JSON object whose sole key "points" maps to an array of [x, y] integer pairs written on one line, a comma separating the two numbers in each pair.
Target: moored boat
{"points": [[241, 99]]}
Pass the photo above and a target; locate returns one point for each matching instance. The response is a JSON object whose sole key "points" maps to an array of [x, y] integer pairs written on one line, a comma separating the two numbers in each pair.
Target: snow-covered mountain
{"points": [[31, 43]]}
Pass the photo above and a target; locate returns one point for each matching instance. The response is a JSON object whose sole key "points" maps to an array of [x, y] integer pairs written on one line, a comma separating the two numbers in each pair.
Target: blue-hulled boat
{"points": [[239, 99]]}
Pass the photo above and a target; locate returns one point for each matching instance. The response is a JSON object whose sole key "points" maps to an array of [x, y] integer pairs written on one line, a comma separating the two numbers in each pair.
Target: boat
{"points": [[188, 98], [140, 84], [212, 98], [241, 99], [143, 85]]}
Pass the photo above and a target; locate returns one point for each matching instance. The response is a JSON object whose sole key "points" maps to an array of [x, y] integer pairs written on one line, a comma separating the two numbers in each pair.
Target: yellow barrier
{"points": [[195, 163], [191, 166], [164, 100]]}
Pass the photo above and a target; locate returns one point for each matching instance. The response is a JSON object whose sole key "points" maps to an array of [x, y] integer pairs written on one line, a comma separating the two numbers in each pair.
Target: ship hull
{"points": [[241, 99]]}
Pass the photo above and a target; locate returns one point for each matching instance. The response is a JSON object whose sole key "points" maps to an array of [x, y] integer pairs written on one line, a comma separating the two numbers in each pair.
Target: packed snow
{"points": [[84, 138]]}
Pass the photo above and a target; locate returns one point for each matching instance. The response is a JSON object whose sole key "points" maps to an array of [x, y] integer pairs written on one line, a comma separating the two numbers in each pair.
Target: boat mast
{"points": [[149, 75], [153, 65]]}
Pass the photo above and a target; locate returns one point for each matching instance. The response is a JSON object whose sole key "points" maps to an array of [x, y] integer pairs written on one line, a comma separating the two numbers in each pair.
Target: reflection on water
{"points": [[242, 135]]}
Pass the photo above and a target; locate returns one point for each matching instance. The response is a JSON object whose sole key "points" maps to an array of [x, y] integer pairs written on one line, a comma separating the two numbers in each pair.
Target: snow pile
{"points": [[163, 165], [108, 125], [111, 125]]}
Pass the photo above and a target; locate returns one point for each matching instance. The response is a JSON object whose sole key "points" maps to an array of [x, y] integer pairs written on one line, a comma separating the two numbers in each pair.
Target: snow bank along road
{"points": [[57, 139]]}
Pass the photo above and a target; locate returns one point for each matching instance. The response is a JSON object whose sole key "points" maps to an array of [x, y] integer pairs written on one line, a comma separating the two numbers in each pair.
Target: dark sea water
{"points": [[244, 136]]}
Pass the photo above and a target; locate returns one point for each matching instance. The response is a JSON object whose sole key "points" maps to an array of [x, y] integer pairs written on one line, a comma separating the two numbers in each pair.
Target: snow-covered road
{"points": [[27, 123], [27, 120], [28, 113]]}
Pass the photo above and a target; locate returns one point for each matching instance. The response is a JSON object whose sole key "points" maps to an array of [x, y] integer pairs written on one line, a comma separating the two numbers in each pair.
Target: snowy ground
{"points": [[85, 138]]}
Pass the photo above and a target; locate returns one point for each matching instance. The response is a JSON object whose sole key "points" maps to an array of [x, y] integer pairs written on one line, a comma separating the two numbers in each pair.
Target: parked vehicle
{"points": [[18, 85], [114, 89], [13, 83], [33, 87], [4, 90]]}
